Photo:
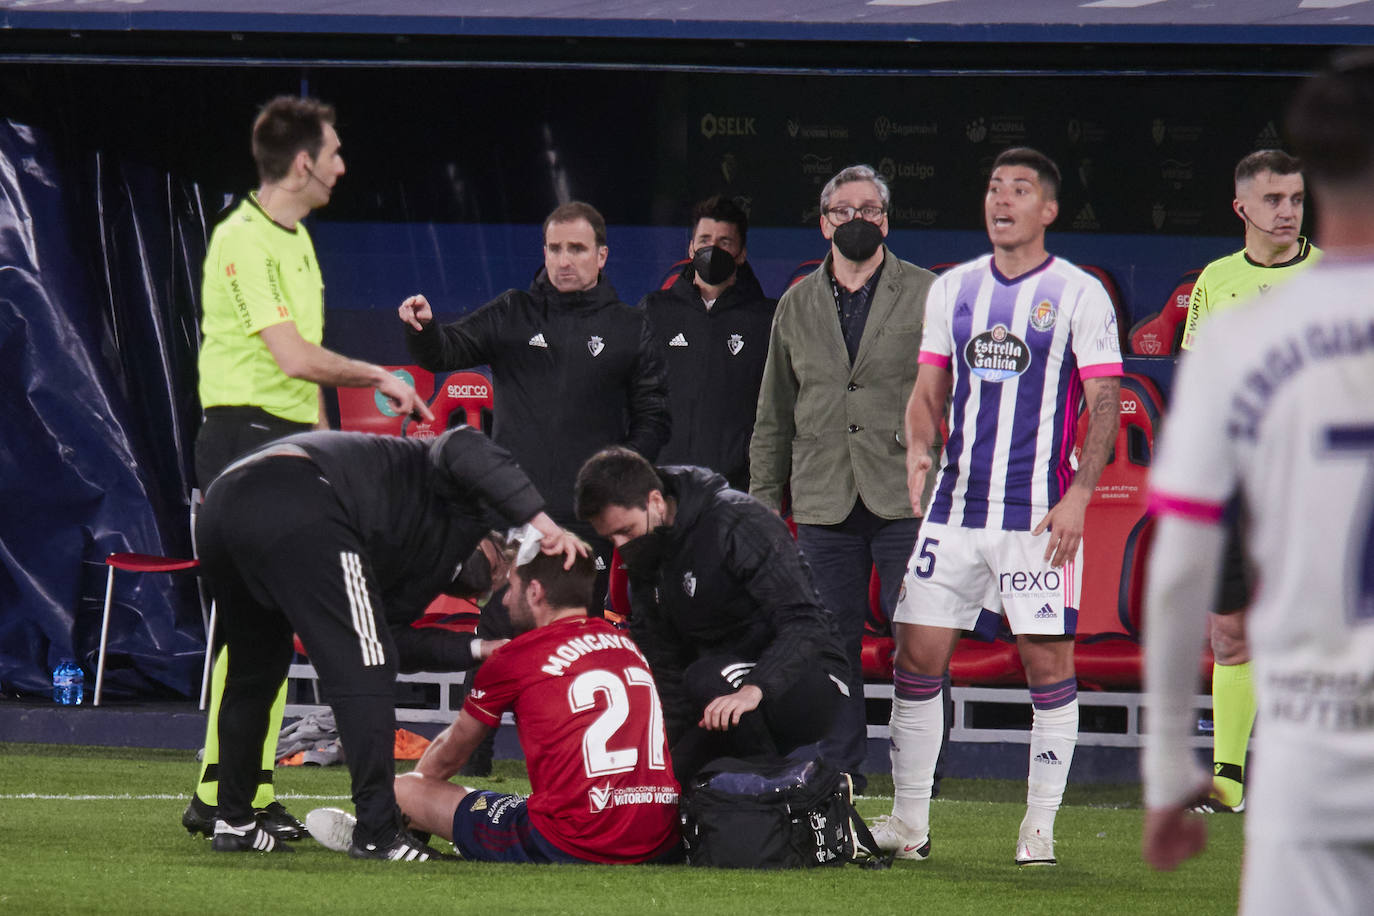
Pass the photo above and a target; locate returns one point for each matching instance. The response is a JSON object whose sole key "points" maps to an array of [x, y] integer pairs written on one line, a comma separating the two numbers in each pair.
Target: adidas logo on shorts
{"points": [[1049, 758], [1045, 613]]}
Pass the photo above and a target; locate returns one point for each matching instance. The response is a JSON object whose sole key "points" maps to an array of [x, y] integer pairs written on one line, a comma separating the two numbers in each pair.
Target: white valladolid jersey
{"points": [[1019, 351], [1276, 402]]}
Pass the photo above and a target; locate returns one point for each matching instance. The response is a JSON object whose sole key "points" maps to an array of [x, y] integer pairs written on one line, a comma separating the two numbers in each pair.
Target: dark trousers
{"points": [[232, 432], [842, 558], [278, 548], [800, 715]]}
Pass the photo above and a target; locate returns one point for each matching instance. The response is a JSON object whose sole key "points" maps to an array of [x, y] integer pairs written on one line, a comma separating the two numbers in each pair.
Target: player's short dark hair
{"points": [[563, 588], [575, 210], [1267, 160], [616, 476], [1033, 159], [285, 126], [722, 209], [1331, 120]]}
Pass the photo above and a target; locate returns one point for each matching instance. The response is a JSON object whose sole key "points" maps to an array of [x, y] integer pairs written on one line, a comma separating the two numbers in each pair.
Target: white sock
{"points": [[1054, 732], [917, 728]]}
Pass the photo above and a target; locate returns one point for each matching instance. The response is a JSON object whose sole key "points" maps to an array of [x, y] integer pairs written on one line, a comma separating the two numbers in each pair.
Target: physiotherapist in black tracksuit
{"points": [[713, 324], [340, 538], [574, 368], [746, 658]]}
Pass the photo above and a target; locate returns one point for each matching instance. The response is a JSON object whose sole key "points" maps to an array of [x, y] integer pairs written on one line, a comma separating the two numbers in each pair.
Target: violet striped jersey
{"points": [[1019, 351]]}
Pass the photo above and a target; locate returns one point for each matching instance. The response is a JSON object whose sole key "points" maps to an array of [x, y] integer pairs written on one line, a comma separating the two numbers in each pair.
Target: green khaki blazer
{"points": [[831, 430]]}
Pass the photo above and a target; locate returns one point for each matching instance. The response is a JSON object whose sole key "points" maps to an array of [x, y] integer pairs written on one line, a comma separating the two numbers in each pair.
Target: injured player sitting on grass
{"points": [[590, 726]]}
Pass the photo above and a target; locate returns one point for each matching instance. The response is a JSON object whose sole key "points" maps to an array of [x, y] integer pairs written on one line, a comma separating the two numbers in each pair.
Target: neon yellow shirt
{"points": [[257, 274], [1231, 280]]}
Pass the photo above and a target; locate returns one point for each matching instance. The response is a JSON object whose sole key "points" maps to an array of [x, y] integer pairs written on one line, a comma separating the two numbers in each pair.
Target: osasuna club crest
{"points": [[595, 345], [734, 344], [689, 584]]}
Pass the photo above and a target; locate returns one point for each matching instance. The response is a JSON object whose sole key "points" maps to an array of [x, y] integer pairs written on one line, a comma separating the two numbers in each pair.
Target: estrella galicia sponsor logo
{"points": [[713, 125], [1038, 582], [997, 355], [1043, 316]]}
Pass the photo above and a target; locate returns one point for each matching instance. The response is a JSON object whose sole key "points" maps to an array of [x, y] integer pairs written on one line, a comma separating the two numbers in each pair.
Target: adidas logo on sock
{"points": [[539, 341], [678, 341], [1045, 613], [1049, 758]]}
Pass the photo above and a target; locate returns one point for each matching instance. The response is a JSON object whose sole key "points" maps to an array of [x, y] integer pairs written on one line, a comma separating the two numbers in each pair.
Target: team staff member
{"points": [[1269, 200], [713, 323], [1013, 338], [839, 371], [1274, 406], [261, 363], [748, 661], [575, 369], [334, 536], [599, 794]]}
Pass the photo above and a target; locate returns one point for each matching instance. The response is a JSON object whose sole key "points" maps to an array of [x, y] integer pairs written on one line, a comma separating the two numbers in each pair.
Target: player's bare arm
{"points": [[299, 358], [1065, 520], [447, 753], [924, 411]]}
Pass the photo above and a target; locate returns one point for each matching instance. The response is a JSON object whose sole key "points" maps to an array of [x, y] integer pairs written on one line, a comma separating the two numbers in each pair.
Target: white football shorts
{"points": [[955, 573]]}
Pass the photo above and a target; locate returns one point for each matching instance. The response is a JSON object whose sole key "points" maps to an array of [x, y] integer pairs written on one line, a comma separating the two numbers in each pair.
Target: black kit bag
{"points": [[774, 814]]}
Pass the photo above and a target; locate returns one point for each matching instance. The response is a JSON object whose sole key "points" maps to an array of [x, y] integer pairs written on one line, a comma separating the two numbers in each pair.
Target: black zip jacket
{"points": [[573, 373], [421, 507], [715, 366], [731, 579]]}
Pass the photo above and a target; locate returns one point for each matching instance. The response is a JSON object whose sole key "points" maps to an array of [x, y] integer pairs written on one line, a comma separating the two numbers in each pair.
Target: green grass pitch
{"points": [[97, 830]]}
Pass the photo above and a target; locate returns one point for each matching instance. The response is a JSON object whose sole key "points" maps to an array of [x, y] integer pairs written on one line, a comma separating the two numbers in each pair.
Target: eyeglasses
{"points": [[840, 215]]}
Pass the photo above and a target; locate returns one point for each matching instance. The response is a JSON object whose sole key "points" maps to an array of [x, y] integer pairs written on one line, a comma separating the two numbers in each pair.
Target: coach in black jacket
{"points": [[339, 537], [574, 368], [713, 324], [746, 658]]}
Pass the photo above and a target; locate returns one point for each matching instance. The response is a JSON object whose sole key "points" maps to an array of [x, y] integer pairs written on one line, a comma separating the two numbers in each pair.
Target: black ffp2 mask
{"points": [[858, 239], [713, 265]]}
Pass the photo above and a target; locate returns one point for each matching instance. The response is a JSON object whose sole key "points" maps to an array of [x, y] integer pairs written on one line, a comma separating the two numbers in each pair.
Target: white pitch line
{"points": [[36, 796]]}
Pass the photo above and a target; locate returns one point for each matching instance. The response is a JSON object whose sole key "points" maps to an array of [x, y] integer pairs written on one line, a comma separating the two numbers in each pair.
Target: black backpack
{"points": [[774, 814]]}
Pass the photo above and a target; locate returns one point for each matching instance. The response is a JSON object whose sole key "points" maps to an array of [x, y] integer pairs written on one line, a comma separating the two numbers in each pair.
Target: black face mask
{"points": [[858, 240], [644, 553], [713, 265]]}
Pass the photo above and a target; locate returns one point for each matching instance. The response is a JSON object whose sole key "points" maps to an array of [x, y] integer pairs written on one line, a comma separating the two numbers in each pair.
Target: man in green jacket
{"points": [[841, 365]]}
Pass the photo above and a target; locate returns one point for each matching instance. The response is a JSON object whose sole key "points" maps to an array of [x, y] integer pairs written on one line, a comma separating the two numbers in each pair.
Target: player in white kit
{"points": [[1278, 406], [1013, 341]]}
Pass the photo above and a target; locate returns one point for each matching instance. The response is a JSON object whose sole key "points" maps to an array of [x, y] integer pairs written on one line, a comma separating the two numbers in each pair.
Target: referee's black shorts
{"points": [[1234, 594]]}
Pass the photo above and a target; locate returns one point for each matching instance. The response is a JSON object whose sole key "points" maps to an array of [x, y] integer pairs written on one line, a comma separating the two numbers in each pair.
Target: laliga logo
{"points": [[469, 391]]}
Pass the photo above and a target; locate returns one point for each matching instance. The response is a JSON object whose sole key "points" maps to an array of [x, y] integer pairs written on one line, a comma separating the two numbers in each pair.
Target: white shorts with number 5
{"points": [[955, 573]]}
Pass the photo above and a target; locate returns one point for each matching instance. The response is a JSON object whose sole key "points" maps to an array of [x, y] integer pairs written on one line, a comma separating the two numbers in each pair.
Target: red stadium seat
{"points": [[673, 273], [365, 410], [804, 270], [467, 393], [1161, 334]]}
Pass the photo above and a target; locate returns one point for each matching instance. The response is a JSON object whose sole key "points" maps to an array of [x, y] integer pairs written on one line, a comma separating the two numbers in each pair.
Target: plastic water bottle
{"points": [[68, 684]]}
